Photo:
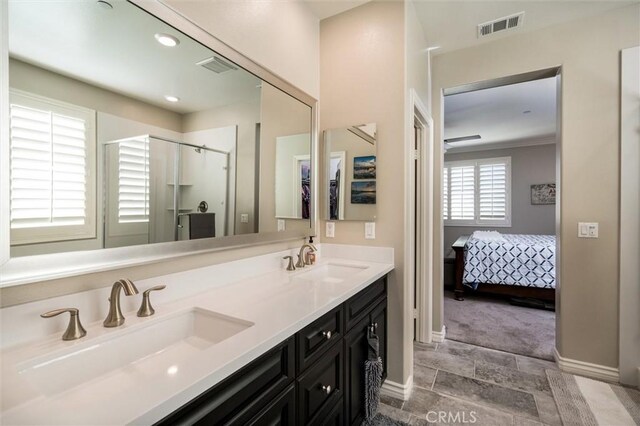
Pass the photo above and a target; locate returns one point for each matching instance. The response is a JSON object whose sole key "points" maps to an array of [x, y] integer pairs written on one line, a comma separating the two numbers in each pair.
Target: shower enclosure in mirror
{"points": [[158, 190], [350, 168], [125, 131]]}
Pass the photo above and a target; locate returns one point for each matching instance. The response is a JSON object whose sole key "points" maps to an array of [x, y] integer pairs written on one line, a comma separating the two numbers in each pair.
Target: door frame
{"points": [[629, 354], [419, 228], [555, 72]]}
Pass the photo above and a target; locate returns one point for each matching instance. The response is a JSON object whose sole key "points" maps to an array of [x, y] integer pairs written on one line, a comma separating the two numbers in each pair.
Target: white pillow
{"points": [[488, 236]]}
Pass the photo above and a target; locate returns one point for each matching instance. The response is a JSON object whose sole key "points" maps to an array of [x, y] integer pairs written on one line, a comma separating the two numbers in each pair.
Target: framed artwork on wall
{"points": [[364, 167], [544, 193], [363, 192]]}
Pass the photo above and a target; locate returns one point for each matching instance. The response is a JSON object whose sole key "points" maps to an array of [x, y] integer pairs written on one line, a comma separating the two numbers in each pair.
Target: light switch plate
{"points": [[587, 229], [370, 231], [244, 218], [330, 231], [280, 225]]}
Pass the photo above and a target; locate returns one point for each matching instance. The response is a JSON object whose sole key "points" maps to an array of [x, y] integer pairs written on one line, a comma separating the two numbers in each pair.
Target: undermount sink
{"points": [[157, 347], [330, 272]]}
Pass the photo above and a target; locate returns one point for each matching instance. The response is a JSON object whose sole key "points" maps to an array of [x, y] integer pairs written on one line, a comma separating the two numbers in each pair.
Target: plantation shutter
{"points": [[492, 197], [133, 180], [445, 194], [462, 192], [48, 168]]}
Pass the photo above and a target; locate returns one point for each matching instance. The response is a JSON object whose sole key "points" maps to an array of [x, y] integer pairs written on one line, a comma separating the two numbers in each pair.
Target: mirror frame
{"points": [[31, 269]]}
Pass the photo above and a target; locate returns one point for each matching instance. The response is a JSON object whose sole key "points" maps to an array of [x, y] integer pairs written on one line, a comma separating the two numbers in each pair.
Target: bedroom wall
{"points": [[589, 52], [529, 165]]}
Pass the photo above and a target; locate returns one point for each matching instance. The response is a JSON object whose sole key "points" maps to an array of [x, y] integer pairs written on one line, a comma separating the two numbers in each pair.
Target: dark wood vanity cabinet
{"points": [[315, 377]]}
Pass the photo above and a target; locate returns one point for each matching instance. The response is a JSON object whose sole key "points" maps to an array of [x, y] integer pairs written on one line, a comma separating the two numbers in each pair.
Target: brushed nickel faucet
{"points": [[115, 317], [302, 258], [75, 330]]}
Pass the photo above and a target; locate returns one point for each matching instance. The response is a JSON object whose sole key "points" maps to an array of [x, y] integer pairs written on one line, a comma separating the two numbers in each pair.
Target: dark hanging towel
{"points": [[372, 376], [202, 225]]}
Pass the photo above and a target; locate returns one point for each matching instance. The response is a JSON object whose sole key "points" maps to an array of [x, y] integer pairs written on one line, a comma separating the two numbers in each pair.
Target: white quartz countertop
{"points": [[276, 302]]}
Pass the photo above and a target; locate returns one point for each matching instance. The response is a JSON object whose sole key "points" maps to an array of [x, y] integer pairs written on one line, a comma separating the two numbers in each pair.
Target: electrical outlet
{"points": [[280, 225], [244, 218], [370, 231], [588, 230], [330, 230]]}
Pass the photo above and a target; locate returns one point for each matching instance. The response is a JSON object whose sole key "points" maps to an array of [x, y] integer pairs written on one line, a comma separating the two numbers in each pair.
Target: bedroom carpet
{"points": [[494, 323]]}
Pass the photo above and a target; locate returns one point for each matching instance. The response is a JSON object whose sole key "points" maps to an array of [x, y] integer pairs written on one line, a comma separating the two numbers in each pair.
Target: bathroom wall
{"points": [[364, 79], [589, 52], [282, 36]]}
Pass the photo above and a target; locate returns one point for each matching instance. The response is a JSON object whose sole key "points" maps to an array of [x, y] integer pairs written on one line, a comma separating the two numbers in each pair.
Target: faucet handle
{"points": [[146, 310], [290, 266], [75, 330]]}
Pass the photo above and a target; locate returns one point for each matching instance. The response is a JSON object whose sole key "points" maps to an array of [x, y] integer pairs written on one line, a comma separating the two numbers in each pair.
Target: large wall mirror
{"points": [[125, 131], [350, 168]]}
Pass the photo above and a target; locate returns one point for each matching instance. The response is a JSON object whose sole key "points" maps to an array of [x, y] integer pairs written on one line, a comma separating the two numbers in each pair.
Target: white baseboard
{"points": [[438, 336], [397, 390], [581, 368]]}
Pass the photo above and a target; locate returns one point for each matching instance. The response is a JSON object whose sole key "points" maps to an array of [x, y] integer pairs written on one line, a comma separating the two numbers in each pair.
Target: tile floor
{"points": [[457, 383]]}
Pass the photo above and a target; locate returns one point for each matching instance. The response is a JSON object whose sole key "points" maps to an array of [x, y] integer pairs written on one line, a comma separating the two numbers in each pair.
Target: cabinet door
{"points": [[281, 411], [321, 387], [355, 354], [379, 321], [335, 416]]}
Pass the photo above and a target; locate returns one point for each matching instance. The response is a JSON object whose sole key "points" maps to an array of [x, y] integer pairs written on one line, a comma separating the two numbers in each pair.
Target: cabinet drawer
{"points": [[320, 388], [240, 397], [317, 337], [281, 411], [360, 304]]}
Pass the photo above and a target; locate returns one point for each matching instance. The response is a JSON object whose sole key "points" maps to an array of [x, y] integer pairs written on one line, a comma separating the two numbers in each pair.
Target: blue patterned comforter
{"points": [[522, 260]]}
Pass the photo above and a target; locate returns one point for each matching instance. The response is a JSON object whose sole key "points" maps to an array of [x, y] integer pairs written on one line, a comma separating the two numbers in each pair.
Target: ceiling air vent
{"points": [[217, 65], [502, 24]]}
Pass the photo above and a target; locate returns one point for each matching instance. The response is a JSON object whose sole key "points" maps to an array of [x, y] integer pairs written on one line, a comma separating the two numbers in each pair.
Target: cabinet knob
{"points": [[327, 334], [327, 389]]}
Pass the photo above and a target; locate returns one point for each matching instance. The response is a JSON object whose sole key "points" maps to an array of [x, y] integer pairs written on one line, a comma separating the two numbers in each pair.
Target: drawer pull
{"points": [[327, 334], [327, 389]]}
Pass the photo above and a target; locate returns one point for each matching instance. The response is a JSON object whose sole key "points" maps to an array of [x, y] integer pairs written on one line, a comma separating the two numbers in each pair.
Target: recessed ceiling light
{"points": [[105, 4], [167, 40], [171, 98]]}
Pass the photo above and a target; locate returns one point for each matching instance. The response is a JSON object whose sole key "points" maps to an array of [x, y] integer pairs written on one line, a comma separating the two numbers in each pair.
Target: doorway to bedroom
{"points": [[499, 213]]}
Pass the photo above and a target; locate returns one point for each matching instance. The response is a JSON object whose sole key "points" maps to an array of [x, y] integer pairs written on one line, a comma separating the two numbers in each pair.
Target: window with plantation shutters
{"points": [[477, 192], [52, 189], [133, 180]]}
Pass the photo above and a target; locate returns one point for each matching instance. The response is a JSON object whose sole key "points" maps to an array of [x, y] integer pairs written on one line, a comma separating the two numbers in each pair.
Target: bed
{"points": [[514, 265]]}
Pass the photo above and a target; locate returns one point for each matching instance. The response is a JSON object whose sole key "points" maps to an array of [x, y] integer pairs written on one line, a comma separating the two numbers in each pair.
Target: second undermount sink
{"points": [[331, 272], [156, 347]]}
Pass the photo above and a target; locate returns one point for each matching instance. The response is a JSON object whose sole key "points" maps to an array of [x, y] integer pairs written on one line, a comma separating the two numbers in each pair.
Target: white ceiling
{"points": [[452, 25], [327, 8], [498, 115], [116, 49]]}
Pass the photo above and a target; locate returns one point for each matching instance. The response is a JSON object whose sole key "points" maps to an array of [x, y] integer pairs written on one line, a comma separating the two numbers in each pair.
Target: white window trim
{"points": [[21, 236], [503, 223]]}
